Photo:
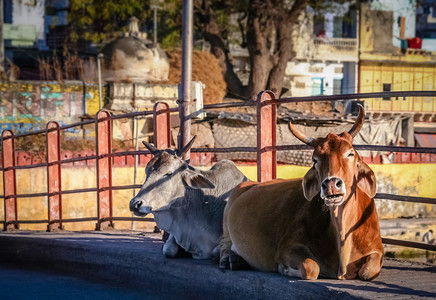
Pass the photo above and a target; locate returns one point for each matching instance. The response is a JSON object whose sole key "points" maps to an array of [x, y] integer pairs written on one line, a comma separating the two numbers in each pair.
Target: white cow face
{"points": [[167, 177]]}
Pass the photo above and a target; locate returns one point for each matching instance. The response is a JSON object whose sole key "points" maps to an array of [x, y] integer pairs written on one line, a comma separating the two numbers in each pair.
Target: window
{"points": [[317, 86], [300, 85], [387, 88], [337, 86]]}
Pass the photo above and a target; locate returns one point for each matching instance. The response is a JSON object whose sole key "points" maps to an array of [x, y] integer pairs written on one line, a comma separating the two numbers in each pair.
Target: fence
{"points": [[266, 159]]}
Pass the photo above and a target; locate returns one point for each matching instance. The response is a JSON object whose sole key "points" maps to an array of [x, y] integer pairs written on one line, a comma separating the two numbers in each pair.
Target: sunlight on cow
{"points": [[186, 202], [323, 225]]}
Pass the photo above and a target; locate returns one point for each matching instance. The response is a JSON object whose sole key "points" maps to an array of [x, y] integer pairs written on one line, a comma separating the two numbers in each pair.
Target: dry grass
{"points": [[205, 68], [72, 67]]}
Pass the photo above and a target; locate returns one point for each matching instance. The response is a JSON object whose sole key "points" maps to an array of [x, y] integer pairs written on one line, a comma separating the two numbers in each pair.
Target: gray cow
{"points": [[186, 202]]}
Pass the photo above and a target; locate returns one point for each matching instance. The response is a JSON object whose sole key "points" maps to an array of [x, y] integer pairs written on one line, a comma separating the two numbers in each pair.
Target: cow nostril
{"points": [[324, 185], [339, 183], [138, 204]]}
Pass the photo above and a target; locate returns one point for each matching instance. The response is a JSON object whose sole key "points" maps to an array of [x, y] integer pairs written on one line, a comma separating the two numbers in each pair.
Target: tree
{"points": [[267, 36], [265, 27], [99, 21]]}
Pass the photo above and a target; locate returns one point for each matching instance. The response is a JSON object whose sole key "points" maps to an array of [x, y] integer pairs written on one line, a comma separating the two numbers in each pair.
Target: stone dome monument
{"points": [[133, 58]]}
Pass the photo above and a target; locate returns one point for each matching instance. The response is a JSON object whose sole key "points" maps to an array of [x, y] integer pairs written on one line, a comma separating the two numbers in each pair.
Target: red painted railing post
{"points": [[9, 181], [266, 137], [104, 170], [54, 187], [161, 125]]}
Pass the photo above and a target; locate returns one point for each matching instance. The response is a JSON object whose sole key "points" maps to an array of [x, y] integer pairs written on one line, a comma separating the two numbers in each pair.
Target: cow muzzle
{"points": [[333, 191], [138, 209]]}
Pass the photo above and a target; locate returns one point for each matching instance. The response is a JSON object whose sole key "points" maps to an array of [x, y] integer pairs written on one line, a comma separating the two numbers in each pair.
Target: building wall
{"points": [[399, 8], [305, 77], [400, 77], [27, 105], [30, 12]]}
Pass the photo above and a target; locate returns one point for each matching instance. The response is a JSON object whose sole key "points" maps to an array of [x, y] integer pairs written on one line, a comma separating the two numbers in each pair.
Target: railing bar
{"points": [[427, 150], [27, 134], [31, 195], [230, 104], [396, 148], [364, 147], [408, 244], [136, 219], [198, 150], [75, 159], [27, 167], [291, 147], [79, 220], [128, 115], [126, 187], [223, 150], [77, 191], [63, 127], [125, 153], [355, 96], [29, 221], [87, 190], [133, 219], [405, 198]]}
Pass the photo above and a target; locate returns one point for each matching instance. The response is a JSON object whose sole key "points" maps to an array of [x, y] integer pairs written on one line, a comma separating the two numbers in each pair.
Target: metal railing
{"points": [[266, 159]]}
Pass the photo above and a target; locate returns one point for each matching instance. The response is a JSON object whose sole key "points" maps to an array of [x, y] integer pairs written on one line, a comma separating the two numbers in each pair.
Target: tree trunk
{"points": [[285, 21], [258, 33], [212, 34], [269, 43], [284, 55]]}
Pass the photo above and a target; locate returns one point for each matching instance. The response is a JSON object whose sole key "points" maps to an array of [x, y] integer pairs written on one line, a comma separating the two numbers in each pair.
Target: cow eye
{"points": [[351, 154], [168, 173], [314, 160]]}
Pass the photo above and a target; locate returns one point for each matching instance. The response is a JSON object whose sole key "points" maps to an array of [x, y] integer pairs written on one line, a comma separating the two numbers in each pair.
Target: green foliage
{"points": [[99, 21], [170, 24]]}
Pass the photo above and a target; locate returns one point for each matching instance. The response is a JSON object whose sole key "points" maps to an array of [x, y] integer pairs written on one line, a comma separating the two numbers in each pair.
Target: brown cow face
{"points": [[337, 170]]}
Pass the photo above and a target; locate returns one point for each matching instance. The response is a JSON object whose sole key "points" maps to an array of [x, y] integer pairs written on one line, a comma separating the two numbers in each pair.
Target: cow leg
{"points": [[226, 245], [228, 258], [170, 248], [372, 266], [299, 262]]}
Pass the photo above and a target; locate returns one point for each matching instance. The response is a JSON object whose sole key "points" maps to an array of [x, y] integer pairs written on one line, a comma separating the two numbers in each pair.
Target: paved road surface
{"points": [[135, 260]]}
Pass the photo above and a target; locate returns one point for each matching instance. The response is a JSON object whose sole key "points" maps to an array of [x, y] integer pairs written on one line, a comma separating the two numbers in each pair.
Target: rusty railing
{"points": [[266, 159]]}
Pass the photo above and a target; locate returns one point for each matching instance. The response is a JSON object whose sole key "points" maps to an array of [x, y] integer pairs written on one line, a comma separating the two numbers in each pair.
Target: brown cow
{"points": [[323, 225]]}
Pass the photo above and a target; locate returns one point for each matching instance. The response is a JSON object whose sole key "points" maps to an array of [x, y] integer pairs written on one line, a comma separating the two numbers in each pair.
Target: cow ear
{"points": [[196, 180], [366, 179], [311, 186]]}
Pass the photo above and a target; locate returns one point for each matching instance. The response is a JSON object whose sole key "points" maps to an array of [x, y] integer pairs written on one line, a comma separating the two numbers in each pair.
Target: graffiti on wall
{"points": [[27, 106]]}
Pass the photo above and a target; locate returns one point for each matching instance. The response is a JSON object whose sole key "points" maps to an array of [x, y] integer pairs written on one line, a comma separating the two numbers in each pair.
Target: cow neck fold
{"points": [[343, 217]]}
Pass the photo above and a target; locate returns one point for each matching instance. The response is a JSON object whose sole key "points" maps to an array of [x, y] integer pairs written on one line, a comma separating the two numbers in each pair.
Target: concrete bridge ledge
{"points": [[135, 259]]}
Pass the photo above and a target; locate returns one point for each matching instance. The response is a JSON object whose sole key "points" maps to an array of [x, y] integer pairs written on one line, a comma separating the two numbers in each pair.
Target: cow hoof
{"points": [[365, 274], [224, 263], [170, 250], [224, 259]]}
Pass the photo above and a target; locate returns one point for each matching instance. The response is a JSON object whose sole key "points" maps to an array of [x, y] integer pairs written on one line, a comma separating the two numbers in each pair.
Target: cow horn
{"points": [[300, 135], [151, 147], [359, 122], [182, 152]]}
